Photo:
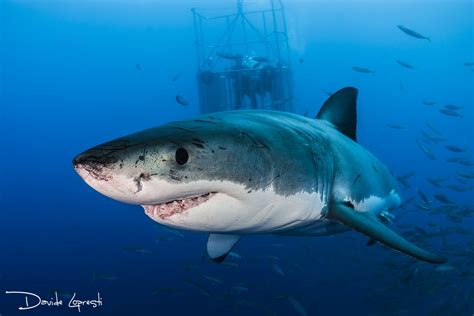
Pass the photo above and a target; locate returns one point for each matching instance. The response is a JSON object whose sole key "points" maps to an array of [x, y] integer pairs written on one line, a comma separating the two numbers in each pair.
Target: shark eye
{"points": [[181, 156]]}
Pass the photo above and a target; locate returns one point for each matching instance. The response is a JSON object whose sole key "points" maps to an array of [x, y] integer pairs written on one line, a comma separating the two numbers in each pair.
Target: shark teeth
{"points": [[170, 208]]}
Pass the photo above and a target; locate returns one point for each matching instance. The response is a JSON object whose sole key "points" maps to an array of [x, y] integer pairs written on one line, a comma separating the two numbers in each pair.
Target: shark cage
{"points": [[244, 60]]}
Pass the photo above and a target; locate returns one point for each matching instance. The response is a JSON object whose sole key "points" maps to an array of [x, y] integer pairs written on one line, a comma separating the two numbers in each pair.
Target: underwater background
{"points": [[74, 74]]}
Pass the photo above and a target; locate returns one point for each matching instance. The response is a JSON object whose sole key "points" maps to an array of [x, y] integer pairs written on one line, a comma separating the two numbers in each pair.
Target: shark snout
{"points": [[95, 164], [115, 173]]}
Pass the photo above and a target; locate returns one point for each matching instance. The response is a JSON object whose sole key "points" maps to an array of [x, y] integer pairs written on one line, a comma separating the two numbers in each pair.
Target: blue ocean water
{"points": [[69, 81]]}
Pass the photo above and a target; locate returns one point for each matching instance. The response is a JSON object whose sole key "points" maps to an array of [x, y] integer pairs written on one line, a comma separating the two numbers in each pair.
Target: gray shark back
{"points": [[282, 136]]}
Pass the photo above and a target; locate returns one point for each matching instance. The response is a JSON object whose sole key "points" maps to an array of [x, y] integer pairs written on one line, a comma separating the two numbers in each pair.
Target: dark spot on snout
{"points": [[95, 162]]}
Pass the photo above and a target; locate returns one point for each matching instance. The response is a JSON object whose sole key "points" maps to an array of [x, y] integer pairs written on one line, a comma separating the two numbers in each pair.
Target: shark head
{"points": [[200, 175]]}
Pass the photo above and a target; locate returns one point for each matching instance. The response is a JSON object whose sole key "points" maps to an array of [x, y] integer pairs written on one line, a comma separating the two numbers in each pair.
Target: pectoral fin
{"points": [[219, 245], [368, 224]]}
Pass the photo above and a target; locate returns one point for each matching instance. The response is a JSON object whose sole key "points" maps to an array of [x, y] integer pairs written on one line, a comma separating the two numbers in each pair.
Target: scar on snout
{"points": [[141, 177]]}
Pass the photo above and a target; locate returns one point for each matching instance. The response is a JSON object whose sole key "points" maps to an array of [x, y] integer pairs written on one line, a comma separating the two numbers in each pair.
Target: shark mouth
{"points": [[170, 208]]}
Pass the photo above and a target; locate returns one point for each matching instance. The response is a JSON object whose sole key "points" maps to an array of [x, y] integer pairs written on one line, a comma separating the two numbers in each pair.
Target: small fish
{"points": [[181, 100], [405, 64], [467, 175], [142, 251], [212, 279], [455, 149], [426, 102], [436, 131], [230, 264], [460, 160], [412, 33], [423, 207], [458, 188], [103, 277], [240, 288], [442, 198], [453, 107], [469, 63], [138, 67], [199, 287], [276, 268], [431, 138], [436, 181], [363, 70], [301, 60], [444, 268], [452, 113], [297, 306], [396, 126], [423, 196], [404, 182], [407, 175], [165, 238], [234, 254], [425, 150]]}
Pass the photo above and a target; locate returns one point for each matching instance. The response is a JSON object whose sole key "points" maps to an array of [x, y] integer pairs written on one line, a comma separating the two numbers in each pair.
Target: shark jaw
{"points": [[230, 208], [168, 209]]}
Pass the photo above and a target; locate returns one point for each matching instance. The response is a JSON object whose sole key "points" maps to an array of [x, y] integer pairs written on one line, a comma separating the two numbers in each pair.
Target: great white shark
{"points": [[244, 172]]}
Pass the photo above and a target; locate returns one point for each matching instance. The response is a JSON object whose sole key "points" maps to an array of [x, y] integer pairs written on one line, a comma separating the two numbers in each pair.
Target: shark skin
{"points": [[244, 172]]}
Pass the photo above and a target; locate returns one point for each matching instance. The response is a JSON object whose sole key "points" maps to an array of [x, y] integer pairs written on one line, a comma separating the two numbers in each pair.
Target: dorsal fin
{"points": [[340, 109]]}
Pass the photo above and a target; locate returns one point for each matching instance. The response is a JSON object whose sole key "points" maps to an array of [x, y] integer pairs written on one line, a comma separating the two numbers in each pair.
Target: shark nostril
{"points": [[82, 159], [77, 161]]}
